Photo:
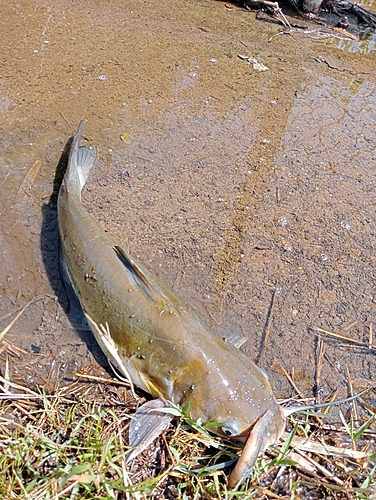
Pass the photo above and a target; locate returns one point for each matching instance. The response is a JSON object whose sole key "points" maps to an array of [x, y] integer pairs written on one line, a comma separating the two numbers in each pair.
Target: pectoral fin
{"points": [[235, 339], [146, 425]]}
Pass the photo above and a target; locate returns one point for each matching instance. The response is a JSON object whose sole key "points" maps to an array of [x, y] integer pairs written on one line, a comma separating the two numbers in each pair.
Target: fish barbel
{"points": [[152, 338]]}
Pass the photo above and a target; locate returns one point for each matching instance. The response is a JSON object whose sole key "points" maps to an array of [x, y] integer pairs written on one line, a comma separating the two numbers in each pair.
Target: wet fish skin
{"points": [[150, 335]]}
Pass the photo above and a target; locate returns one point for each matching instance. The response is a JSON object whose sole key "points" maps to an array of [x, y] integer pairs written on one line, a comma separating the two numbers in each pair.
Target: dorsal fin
{"points": [[146, 283]]}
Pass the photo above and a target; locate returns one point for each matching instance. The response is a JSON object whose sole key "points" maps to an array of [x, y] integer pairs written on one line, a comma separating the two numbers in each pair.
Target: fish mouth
{"points": [[243, 437]]}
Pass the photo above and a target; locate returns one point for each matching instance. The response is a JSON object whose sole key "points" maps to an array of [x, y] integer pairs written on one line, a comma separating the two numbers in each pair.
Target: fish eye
{"points": [[231, 428]]}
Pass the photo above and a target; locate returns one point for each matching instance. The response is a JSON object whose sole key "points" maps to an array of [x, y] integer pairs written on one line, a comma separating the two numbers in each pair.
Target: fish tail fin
{"points": [[81, 161]]}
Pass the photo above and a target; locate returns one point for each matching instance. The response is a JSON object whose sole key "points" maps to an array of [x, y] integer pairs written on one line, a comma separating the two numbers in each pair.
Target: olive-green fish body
{"points": [[150, 335]]}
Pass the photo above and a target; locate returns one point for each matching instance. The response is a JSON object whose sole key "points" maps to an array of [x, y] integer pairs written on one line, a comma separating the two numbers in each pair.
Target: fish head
{"points": [[240, 400], [235, 396], [247, 422]]}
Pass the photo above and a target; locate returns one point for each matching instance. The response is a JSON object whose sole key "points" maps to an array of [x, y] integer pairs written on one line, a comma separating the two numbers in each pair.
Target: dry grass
{"points": [[69, 442]]}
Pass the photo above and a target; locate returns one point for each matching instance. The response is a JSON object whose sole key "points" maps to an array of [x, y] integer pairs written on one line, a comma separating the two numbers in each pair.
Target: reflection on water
{"points": [[367, 36], [365, 44]]}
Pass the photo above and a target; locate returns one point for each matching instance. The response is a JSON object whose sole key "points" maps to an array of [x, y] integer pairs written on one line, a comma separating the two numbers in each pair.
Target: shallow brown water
{"points": [[225, 181]]}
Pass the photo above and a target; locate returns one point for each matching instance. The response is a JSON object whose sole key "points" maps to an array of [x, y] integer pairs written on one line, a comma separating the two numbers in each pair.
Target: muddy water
{"points": [[233, 185]]}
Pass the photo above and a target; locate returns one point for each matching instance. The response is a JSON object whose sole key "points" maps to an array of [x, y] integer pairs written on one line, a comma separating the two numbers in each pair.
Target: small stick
{"points": [[370, 338], [9, 314], [173, 461], [13, 349], [362, 346], [348, 326], [319, 358], [344, 337], [126, 479], [102, 379], [323, 470], [267, 331], [290, 380], [66, 119], [7, 328], [6, 375], [17, 386], [276, 9], [355, 412], [325, 449]]}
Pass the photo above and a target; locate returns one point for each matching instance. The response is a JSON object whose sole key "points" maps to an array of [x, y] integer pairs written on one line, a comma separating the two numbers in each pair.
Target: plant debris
{"points": [[71, 443]]}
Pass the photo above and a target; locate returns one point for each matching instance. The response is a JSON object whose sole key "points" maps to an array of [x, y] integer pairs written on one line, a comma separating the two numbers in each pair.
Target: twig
{"points": [[9, 314], [275, 8], [102, 379], [323, 470], [290, 380], [66, 119], [370, 338], [319, 358], [173, 461], [325, 449], [7, 328], [126, 479], [351, 393], [344, 337], [12, 349], [348, 325], [267, 331]]}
